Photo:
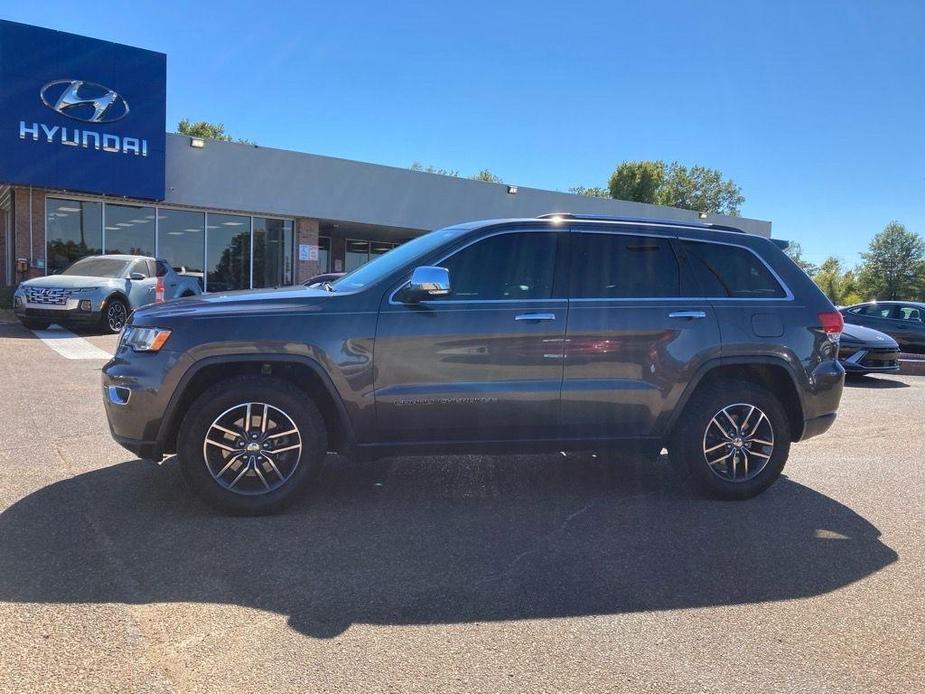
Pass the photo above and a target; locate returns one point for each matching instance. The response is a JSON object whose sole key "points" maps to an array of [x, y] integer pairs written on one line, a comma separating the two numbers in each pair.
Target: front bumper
{"points": [[861, 358], [74, 310], [137, 388]]}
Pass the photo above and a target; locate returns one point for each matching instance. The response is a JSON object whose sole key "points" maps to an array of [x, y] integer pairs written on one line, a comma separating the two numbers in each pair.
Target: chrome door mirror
{"points": [[138, 276], [428, 281]]}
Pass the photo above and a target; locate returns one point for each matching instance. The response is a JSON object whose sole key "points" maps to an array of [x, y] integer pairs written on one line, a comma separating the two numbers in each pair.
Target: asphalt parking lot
{"points": [[519, 573]]}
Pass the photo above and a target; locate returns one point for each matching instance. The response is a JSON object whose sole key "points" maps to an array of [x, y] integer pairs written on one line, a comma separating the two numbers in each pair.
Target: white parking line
{"points": [[69, 345]]}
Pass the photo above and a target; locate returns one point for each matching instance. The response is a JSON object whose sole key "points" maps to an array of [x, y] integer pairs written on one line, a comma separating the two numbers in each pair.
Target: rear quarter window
{"points": [[727, 271]]}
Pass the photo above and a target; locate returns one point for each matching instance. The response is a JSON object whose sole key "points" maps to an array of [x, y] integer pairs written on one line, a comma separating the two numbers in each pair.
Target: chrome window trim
{"points": [[500, 232], [788, 295]]}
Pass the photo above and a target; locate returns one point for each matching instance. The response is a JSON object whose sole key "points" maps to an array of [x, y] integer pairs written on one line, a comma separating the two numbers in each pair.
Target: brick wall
{"points": [[22, 215], [306, 233]]}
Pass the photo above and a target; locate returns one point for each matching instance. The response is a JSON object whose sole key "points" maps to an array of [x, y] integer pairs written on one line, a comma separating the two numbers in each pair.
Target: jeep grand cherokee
{"points": [[556, 333]]}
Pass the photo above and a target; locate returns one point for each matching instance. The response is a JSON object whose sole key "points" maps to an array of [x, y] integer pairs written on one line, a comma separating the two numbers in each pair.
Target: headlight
{"points": [[144, 339], [83, 290]]}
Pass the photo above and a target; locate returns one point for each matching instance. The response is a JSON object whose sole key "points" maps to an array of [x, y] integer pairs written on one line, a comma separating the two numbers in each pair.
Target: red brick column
{"points": [[306, 233], [22, 214]]}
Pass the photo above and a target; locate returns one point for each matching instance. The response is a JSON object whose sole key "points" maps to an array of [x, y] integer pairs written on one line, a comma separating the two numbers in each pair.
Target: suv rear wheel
{"points": [[734, 437], [248, 446]]}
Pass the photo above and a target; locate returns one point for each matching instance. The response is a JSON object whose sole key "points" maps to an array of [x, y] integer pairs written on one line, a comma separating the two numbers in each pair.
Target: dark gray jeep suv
{"points": [[556, 333]]}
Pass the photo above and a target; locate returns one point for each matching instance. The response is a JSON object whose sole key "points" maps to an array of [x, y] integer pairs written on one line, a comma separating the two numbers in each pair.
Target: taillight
{"points": [[831, 322], [159, 291]]}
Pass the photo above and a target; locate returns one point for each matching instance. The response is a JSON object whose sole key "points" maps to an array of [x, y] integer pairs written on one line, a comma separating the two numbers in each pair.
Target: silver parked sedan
{"points": [[101, 290]]}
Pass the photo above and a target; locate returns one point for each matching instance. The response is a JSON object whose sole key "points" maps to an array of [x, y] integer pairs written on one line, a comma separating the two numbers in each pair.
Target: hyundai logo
{"points": [[86, 101]]}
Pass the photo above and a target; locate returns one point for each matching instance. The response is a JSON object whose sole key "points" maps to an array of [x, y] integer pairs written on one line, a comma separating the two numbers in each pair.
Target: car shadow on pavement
{"points": [[419, 541], [873, 382]]}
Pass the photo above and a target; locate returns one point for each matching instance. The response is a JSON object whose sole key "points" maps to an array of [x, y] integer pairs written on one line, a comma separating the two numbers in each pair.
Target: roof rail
{"points": [[642, 220]]}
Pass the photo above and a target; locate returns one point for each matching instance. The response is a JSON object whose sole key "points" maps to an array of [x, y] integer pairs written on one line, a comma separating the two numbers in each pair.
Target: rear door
{"points": [[634, 338], [484, 362]]}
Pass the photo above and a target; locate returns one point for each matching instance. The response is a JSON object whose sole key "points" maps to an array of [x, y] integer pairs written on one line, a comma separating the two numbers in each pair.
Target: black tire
{"points": [[696, 432], [33, 324], [224, 397], [115, 313]]}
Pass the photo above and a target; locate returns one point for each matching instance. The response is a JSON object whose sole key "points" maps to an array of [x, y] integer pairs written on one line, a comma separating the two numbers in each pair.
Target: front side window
{"points": [[129, 230], [620, 266], [875, 311], [504, 267], [731, 271], [74, 230]]}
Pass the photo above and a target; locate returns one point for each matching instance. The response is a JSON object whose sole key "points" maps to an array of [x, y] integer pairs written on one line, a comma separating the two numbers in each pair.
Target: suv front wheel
{"points": [[734, 437], [249, 445]]}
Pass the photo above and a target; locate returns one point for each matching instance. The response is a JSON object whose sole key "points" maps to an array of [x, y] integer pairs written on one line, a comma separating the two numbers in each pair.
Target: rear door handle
{"points": [[535, 316], [688, 315]]}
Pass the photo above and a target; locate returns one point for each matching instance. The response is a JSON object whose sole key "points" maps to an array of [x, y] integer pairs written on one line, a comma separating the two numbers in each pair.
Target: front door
{"points": [[632, 338], [485, 362]]}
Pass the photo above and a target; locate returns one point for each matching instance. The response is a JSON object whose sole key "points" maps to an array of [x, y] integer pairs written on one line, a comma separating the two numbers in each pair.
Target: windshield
{"points": [[387, 263], [98, 267]]}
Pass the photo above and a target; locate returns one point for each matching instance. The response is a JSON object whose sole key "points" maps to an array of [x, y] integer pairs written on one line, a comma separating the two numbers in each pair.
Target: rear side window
{"points": [[908, 313], [619, 266], [731, 271], [503, 267]]}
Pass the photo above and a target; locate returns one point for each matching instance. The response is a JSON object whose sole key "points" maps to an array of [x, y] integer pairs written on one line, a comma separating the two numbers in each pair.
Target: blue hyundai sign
{"points": [[81, 114]]}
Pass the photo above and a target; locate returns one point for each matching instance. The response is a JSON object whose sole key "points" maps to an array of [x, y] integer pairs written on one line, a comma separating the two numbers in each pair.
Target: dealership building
{"points": [[87, 167]]}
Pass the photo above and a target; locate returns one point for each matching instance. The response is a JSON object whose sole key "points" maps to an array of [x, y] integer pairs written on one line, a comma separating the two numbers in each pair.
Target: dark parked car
{"points": [[99, 290], [548, 334], [325, 278], [904, 321], [865, 350]]}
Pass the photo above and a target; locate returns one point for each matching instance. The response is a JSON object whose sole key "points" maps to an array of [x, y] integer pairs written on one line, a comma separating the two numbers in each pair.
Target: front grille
{"points": [[47, 296], [873, 358], [881, 358]]}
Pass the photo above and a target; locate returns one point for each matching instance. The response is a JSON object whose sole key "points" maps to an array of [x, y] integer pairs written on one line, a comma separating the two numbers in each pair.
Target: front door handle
{"points": [[535, 316], [688, 315]]}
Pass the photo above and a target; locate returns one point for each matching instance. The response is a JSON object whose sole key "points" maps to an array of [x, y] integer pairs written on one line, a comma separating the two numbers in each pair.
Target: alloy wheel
{"points": [[116, 315], [252, 448], [738, 442]]}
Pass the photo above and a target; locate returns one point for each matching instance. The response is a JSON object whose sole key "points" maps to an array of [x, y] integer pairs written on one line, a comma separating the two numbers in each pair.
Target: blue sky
{"points": [[814, 108]]}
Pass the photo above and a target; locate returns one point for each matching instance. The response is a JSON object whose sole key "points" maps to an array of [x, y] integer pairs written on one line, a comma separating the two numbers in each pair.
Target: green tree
{"points": [[699, 188], [894, 265], [592, 192], [691, 188], [207, 130], [637, 180], [486, 176], [795, 251], [837, 282]]}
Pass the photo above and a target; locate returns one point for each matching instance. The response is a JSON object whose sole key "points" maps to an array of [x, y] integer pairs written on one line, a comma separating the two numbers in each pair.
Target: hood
{"points": [[244, 301], [858, 333], [72, 282]]}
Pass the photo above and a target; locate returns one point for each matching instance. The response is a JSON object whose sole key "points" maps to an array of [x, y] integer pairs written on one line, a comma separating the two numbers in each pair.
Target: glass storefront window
{"points": [[228, 252], [219, 256], [129, 230], [181, 241], [73, 230], [273, 252], [324, 254], [357, 254], [377, 248]]}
